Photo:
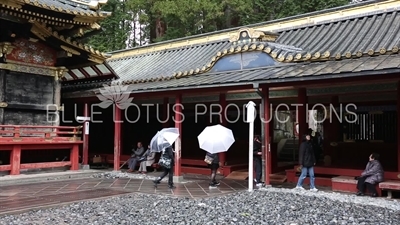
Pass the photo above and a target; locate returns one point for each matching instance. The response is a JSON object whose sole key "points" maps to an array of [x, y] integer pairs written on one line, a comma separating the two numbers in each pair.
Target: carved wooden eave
{"points": [[78, 14], [255, 35], [77, 11], [71, 46], [14, 9]]}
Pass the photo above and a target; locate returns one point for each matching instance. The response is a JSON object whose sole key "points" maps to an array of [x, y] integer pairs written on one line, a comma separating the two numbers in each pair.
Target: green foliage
{"points": [[116, 28], [171, 19]]}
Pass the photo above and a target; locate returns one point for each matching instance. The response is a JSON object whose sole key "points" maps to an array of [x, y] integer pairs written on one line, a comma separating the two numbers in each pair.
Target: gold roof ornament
{"points": [[93, 4], [250, 35]]}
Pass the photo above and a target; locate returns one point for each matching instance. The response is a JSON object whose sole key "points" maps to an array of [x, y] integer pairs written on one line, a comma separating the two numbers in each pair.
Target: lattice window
{"points": [[370, 126]]}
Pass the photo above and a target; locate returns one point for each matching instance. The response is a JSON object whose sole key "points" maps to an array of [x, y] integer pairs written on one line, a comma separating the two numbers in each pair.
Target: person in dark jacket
{"points": [[373, 174], [257, 153], [214, 167], [169, 154], [306, 162]]}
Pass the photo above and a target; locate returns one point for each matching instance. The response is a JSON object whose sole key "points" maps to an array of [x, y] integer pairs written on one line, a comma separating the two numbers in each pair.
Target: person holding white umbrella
{"points": [[167, 162], [215, 139]]}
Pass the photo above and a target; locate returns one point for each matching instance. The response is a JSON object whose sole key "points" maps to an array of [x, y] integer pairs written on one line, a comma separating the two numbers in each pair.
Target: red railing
{"points": [[16, 138], [39, 133]]}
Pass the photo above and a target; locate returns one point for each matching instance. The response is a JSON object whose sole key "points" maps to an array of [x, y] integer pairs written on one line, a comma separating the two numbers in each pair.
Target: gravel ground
{"points": [[269, 206], [115, 175]]}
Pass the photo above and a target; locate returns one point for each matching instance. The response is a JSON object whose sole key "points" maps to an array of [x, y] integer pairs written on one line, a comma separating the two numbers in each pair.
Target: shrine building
{"points": [[40, 42], [334, 71]]}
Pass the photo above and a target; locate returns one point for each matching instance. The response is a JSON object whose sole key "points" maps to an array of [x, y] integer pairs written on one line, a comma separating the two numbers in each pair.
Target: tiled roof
{"points": [[295, 72], [73, 7], [366, 35]]}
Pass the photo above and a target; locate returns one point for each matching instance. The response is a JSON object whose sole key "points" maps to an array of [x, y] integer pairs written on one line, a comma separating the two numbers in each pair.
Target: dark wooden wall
{"points": [[28, 97]]}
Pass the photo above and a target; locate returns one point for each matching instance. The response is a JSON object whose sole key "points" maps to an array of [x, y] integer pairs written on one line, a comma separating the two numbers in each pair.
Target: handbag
{"points": [[208, 159], [97, 159], [165, 162]]}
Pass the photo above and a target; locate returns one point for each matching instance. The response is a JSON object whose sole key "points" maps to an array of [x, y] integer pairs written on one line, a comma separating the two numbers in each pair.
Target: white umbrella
{"points": [[215, 139], [163, 139]]}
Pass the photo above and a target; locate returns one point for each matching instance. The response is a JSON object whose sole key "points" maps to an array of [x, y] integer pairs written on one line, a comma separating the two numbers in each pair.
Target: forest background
{"points": [[140, 22]]}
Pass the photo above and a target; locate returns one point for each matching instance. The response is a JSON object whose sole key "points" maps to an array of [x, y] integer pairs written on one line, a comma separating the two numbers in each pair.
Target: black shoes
{"points": [[214, 184], [362, 194]]}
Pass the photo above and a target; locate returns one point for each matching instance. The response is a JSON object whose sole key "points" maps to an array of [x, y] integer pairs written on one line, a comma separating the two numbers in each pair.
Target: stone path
{"points": [[23, 197]]}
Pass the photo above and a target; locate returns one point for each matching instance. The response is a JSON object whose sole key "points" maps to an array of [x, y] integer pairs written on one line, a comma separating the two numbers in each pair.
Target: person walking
{"points": [[168, 154], [214, 165], [257, 152], [306, 162]]}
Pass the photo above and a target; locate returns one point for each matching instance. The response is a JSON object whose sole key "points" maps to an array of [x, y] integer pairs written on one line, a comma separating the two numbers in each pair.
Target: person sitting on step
{"points": [[372, 175], [135, 157], [150, 158]]}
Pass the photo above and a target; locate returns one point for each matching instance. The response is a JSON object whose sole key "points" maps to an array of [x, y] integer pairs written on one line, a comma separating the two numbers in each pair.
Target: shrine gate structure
{"points": [[40, 43]]}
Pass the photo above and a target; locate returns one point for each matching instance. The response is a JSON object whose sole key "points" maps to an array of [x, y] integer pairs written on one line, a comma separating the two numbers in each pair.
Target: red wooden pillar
{"points": [[222, 102], [15, 160], [85, 151], [267, 149], [117, 137], [178, 142], [166, 112], [74, 157], [302, 113], [398, 126]]}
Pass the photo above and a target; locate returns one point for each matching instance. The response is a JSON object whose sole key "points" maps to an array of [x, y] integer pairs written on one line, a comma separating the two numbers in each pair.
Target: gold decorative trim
{"points": [[3, 104], [13, 4], [395, 49], [251, 33], [371, 52], [27, 68], [69, 50], [5, 48], [21, 13]]}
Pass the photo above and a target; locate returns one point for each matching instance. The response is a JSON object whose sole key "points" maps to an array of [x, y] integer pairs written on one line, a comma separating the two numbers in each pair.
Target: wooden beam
{"points": [[38, 107], [44, 165]]}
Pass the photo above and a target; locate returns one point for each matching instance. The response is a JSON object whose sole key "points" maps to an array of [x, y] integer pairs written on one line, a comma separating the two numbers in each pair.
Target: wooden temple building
{"points": [[326, 59], [41, 41], [333, 58]]}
